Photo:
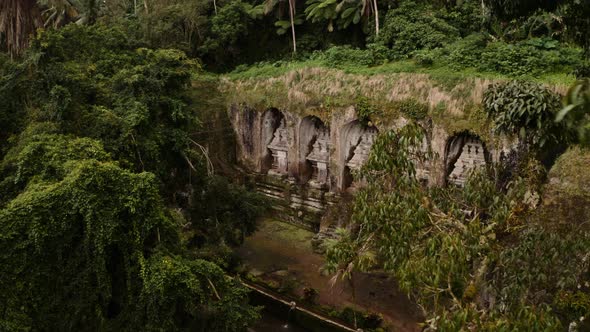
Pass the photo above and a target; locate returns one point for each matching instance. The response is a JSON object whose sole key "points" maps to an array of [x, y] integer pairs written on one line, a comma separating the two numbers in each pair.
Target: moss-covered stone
{"points": [[452, 101], [567, 195]]}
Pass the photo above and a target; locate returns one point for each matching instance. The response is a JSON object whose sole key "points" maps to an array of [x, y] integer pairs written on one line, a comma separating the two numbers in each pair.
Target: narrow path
{"points": [[282, 251]]}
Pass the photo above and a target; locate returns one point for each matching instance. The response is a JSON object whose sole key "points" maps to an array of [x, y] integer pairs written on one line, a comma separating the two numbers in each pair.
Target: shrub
{"points": [[466, 16], [413, 108], [528, 58], [510, 59], [574, 305], [467, 52], [582, 70], [379, 53], [365, 110], [523, 108], [410, 28], [338, 56], [426, 57]]}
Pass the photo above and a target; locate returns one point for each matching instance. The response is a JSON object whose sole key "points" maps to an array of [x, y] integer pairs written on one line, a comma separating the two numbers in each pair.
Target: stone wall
{"points": [[300, 159]]}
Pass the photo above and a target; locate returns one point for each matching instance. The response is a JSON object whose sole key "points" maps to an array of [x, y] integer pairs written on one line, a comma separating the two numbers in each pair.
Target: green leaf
{"points": [[348, 11], [357, 18], [283, 24], [563, 112]]}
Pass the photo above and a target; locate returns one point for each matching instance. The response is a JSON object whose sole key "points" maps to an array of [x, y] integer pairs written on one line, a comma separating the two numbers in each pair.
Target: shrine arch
{"points": [[355, 146], [314, 151], [271, 121]]}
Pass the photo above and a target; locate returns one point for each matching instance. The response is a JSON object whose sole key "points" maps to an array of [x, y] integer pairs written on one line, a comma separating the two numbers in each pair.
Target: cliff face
{"points": [[453, 102], [318, 112], [305, 133]]}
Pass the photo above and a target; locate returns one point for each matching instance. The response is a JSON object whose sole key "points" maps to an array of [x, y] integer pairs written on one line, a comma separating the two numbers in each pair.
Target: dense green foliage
{"points": [[111, 220], [410, 28], [11, 101], [525, 109], [89, 237], [482, 257], [145, 123], [515, 37]]}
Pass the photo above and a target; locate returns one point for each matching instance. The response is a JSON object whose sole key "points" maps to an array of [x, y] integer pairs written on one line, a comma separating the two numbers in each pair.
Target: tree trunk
{"points": [[292, 15], [18, 21], [376, 18]]}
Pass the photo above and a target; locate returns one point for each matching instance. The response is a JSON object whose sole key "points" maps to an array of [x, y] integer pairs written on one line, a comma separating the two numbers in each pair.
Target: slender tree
{"points": [[376, 11], [278, 7], [292, 17]]}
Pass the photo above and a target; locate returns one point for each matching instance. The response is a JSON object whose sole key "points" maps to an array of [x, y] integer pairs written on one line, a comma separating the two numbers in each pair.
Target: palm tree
{"points": [[343, 12], [18, 21]]}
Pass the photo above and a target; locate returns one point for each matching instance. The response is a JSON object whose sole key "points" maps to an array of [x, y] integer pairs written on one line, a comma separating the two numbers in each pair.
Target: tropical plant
{"points": [[525, 109], [412, 27], [510, 9], [104, 243], [576, 112], [460, 252], [12, 100], [89, 242], [342, 13], [277, 7], [231, 24], [577, 15]]}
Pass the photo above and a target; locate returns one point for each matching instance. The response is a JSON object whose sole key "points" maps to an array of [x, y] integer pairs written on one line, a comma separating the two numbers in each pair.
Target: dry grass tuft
{"points": [[314, 90]]}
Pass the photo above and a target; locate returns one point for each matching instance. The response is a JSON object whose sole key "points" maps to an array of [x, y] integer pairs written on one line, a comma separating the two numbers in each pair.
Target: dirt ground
{"points": [[282, 251]]}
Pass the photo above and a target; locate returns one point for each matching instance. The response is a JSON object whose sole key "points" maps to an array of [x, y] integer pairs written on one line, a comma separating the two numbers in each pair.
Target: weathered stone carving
{"points": [[310, 163], [422, 165], [279, 147], [361, 151], [319, 157], [472, 157]]}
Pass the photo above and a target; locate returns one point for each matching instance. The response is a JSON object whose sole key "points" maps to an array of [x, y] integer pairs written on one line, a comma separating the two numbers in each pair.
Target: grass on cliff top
{"points": [[452, 97], [437, 71]]}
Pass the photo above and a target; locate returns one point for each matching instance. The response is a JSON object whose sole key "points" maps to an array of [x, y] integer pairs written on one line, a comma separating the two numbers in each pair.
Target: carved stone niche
{"points": [[279, 147], [358, 141], [361, 151], [319, 157], [422, 164], [465, 154]]}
